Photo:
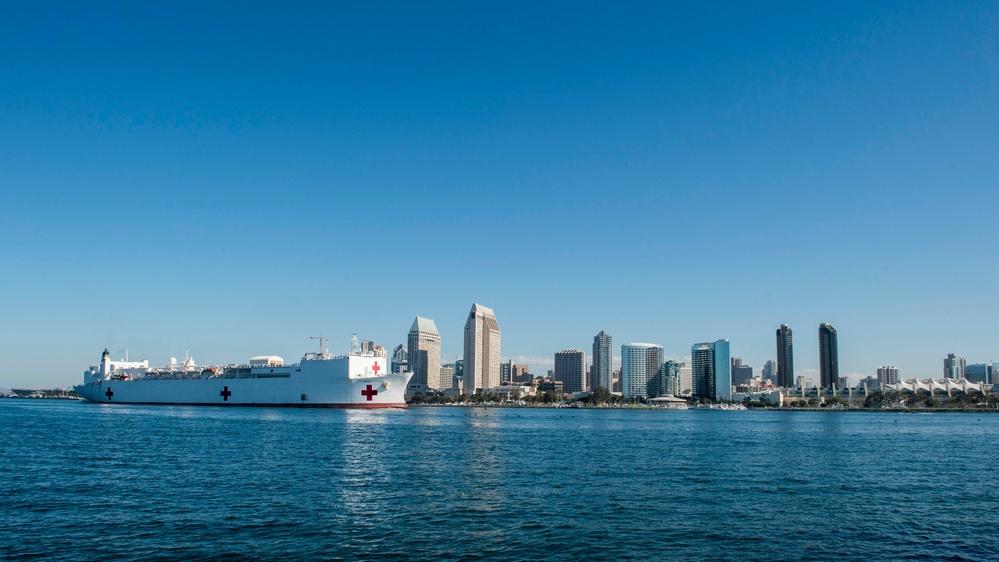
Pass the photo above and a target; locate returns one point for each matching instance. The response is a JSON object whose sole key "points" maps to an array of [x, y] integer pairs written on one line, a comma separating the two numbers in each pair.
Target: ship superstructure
{"points": [[359, 379]]}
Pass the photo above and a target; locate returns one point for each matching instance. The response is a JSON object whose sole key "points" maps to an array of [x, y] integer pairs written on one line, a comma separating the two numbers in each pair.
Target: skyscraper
{"points": [[954, 366], [506, 372], [980, 372], [770, 371], [447, 374], [639, 363], [666, 382], [399, 362], [887, 375], [723, 371], [741, 374], [424, 354], [712, 370], [686, 379], [603, 360], [671, 372], [570, 369], [828, 356], [519, 374], [480, 364], [785, 358]]}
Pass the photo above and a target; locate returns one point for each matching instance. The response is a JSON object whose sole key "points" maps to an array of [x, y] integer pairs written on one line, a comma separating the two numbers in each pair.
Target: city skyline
{"points": [[234, 181], [538, 366]]}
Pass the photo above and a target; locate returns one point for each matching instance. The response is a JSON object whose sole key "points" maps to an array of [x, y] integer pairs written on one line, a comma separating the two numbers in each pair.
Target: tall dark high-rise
{"points": [[603, 361], [570, 370], [828, 356], [712, 370], [785, 357], [741, 374]]}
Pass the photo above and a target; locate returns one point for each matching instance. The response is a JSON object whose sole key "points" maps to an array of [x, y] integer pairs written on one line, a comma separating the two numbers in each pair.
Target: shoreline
{"points": [[630, 407], [644, 407]]}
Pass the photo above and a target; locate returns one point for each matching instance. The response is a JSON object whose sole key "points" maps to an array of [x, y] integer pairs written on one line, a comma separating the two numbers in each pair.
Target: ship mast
{"points": [[321, 339], [324, 344]]}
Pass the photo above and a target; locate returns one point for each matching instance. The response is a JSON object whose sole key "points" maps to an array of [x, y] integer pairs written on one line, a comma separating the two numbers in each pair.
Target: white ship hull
{"points": [[349, 381]]}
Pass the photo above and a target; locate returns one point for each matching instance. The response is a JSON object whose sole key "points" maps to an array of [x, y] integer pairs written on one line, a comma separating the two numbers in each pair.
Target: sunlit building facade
{"points": [[424, 355], [603, 360], [481, 361], [954, 366], [639, 363], [887, 375]]}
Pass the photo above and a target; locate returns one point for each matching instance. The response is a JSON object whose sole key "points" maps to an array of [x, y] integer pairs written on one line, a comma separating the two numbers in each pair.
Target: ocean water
{"points": [[93, 482]]}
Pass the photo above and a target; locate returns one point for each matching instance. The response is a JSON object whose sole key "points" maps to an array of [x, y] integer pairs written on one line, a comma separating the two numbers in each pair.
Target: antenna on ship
{"points": [[355, 347], [321, 338], [325, 349]]}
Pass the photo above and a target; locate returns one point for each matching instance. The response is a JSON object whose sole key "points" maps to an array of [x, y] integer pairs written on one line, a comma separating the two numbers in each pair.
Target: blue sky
{"points": [[232, 179]]}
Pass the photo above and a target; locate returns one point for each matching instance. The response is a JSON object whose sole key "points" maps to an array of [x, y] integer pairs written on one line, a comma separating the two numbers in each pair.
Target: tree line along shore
{"points": [[875, 401]]}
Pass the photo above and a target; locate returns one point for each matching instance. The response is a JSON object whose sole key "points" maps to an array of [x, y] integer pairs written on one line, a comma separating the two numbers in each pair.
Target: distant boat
{"points": [[719, 407]]}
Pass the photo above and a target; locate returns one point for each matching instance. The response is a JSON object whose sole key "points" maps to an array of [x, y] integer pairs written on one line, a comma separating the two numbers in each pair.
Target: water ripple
{"points": [[86, 482]]}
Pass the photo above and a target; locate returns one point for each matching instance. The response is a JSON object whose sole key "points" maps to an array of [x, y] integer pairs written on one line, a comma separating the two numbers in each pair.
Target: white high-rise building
{"points": [[639, 363], [447, 374], [424, 355], [887, 375], [481, 362], [686, 379]]}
